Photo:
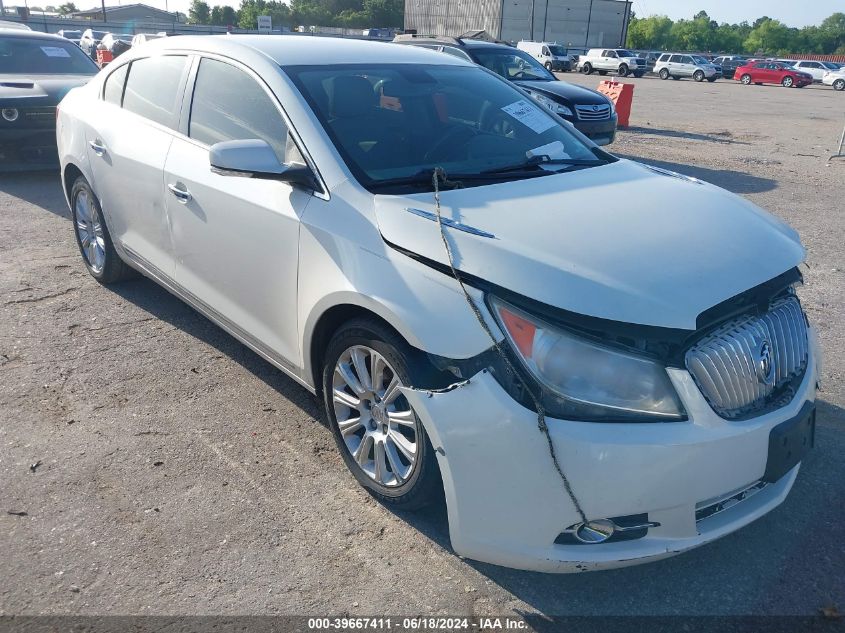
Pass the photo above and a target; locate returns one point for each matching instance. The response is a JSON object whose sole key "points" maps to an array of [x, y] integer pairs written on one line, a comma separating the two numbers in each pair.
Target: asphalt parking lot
{"points": [[178, 473]]}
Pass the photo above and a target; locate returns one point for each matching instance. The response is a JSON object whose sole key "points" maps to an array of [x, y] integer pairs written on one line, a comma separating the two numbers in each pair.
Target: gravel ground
{"points": [[181, 474]]}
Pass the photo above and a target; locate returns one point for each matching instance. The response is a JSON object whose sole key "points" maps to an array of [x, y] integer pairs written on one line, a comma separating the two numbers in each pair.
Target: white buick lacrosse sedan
{"points": [[596, 362]]}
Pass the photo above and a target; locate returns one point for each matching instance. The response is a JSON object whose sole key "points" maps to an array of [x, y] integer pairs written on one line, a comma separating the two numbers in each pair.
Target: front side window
{"points": [[154, 87], [394, 123], [675, 59], [37, 56], [512, 64], [230, 105], [610, 54]]}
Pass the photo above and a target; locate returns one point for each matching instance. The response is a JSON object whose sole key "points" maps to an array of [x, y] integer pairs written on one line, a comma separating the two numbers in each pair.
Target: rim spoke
{"points": [[359, 360], [381, 467], [362, 453], [349, 426], [405, 418], [396, 464], [378, 365], [345, 399], [405, 446], [392, 392], [345, 372]]}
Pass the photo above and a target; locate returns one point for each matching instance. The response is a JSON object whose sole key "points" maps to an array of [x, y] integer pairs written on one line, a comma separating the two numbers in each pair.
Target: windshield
{"points": [[830, 65], [512, 64], [98, 35], [20, 55], [72, 35], [394, 123], [700, 60], [557, 51]]}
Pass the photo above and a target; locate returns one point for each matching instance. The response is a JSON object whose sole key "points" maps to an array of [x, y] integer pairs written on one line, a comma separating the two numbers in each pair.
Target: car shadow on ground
{"points": [[20, 185], [724, 138], [735, 181]]}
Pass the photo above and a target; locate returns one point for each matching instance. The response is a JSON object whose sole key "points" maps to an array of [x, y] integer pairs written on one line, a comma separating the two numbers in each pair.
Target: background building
{"points": [[572, 23], [129, 13]]}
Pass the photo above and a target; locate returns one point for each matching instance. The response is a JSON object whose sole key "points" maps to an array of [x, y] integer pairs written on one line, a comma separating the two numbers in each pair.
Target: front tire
{"points": [[623, 70], [745, 80], [380, 438], [839, 85], [588, 68], [787, 82], [698, 76], [664, 74], [93, 238], [549, 66]]}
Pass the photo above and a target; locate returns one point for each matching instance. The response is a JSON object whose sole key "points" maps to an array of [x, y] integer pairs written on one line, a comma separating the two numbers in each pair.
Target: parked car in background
{"points": [[835, 78], [17, 26], [729, 64], [815, 68], [36, 71], [89, 41], [73, 36], [142, 38], [618, 61], [593, 114], [767, 72], [116, 43], [552, 56], [679, 65], [285, 188]]}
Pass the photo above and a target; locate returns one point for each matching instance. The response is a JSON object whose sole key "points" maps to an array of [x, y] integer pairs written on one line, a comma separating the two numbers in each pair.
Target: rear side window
{"points": [[113, 91], [230, 105], [154, 86]]}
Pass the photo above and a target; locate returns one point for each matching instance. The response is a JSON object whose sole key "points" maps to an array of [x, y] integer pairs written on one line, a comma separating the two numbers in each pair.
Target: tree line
{"points": [[342, 13], [764, 35]]}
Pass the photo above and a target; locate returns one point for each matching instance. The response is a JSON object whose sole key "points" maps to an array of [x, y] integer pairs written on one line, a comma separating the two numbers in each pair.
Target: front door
{"points": [[236, 239]]}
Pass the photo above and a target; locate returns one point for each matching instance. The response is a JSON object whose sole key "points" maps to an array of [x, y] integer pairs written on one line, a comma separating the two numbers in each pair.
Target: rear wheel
{"points": [[92, 236], [698, 75], [664, 74], [787, 82], [839, 84], [379, 436], [746, 79]]}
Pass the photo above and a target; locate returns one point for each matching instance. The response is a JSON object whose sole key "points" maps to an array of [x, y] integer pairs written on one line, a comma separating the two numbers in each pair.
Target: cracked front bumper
{"points": [[507, 505]]}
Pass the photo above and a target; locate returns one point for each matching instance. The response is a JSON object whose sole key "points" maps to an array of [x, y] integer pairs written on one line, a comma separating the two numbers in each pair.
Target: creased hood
{"points": [[619, 242], [38, 90]]}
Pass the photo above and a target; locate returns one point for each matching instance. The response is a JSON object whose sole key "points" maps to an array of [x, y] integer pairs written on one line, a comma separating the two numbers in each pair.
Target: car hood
{"points": [[566, 91], [621, 242], [38, 90]]}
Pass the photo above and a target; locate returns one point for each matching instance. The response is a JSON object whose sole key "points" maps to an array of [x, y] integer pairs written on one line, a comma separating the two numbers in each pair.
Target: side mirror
{"points": [[254, 158]]}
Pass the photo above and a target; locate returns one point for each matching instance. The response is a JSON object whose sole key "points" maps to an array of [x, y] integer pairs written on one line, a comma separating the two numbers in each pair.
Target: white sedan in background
{"points": [[446, 264], [835, 78]]}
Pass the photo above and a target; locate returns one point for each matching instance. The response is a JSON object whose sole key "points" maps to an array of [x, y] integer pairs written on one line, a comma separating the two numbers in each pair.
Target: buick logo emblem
{"points": [[765, 364], [595, 108]]}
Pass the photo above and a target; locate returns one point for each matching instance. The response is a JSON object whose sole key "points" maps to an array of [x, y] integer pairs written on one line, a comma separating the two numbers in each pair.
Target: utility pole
{"points": [[103, 4], [2, 10], [532, 19], [589, 19]]}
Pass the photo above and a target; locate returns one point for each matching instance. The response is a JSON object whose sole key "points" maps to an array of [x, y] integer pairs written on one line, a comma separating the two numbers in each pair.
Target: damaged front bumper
{"points": [[507, 504]]}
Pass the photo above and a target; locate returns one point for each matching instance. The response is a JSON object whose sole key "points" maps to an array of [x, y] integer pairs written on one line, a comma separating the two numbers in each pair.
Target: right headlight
{"points": [[585, 380]]}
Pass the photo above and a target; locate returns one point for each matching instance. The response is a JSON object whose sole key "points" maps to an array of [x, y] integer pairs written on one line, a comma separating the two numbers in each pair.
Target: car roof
{"points": [[31, 35], [299, 50]]}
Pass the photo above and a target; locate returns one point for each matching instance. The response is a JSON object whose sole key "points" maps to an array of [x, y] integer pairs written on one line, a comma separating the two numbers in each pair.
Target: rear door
{"points": [[127, 146], [236, 239]]}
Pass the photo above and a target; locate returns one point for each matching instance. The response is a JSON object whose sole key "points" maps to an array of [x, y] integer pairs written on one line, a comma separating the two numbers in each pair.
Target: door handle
{"points": [[182, 195], [98, 147]]}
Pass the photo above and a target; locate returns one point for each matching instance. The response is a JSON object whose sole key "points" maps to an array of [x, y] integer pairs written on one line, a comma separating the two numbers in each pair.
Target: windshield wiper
{"points": [[455, 180], [539, 161]]}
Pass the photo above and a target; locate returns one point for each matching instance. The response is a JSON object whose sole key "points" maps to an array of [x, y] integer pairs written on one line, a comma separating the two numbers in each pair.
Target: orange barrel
{"points": [[622, 96], [104, 57]]}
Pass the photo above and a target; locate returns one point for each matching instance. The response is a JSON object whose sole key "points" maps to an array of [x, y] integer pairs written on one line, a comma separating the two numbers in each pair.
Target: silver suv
{"points": [[677, 65]]}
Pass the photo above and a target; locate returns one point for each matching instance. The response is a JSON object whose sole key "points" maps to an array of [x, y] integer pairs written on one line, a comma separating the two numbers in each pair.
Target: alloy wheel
{"points": [[746, 79], [787, 82], [89, 228], [378, 426], [839, 84]]}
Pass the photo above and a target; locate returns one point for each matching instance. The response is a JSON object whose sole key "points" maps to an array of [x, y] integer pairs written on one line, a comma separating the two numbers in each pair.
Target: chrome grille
{"points": [[593, 112], [729, 365]]}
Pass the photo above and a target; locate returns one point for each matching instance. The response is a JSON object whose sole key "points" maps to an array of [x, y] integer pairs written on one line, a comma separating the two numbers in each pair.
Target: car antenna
{"points": [[439, 176]]}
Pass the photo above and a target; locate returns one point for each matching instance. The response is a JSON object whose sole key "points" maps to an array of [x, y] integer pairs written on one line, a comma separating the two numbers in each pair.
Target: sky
{"points": [[791, 12]]}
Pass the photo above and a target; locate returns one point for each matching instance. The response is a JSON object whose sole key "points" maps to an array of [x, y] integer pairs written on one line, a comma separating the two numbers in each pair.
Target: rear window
{"points": [[153, 88], [21, 55]]}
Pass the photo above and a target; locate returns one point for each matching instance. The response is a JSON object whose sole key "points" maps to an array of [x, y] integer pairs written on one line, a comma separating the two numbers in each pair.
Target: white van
{"points": [[552, 56]]}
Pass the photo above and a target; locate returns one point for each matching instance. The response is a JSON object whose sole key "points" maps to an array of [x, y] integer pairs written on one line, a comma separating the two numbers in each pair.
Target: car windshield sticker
{"points": [[55, 51], [530, 116]]}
